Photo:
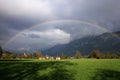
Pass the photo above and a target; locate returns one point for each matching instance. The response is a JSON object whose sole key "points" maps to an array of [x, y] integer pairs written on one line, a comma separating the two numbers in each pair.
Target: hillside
{"points": [[106, 42]]}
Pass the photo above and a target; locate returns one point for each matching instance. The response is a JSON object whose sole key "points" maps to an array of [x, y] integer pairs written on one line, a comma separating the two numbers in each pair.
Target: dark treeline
{"points": [[96, 54]]}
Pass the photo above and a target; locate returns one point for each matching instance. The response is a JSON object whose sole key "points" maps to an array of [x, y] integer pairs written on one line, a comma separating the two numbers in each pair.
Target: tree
{"points": [[63, 56], [38, 55], [109, 55], [95, 54], [78, 54], [29, 56], [12, 56], [8, 55], [19, 56], [1, 51], [5, 55]]}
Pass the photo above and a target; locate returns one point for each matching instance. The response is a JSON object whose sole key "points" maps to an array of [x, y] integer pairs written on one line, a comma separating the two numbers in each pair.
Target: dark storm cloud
{"points": [[16, 15], [10, 26], [103, 12]]}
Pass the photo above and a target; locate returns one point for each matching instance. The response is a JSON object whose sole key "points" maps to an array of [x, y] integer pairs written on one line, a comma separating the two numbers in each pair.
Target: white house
{"points": [[58, 58]]}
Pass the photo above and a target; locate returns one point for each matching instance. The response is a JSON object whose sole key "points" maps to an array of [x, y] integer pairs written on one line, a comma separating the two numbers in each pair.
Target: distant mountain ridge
{"points": [[105, 42]]}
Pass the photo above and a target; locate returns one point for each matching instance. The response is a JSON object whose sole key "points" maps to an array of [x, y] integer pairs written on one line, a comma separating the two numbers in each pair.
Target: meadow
{"points": [[76, 69]]}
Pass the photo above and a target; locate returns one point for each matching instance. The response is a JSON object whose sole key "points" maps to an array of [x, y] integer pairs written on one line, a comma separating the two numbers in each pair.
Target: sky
{"points": [[17, 16]]}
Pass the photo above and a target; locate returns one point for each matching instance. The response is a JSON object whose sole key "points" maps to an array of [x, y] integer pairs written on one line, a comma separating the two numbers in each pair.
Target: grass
{"points": [[82, 69]]}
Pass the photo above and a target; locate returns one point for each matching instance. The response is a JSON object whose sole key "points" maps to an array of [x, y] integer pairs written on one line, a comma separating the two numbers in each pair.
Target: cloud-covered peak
{"points": [[32, 39]]}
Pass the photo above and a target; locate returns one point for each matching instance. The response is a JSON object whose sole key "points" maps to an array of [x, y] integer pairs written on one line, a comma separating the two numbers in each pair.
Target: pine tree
{"points": [[63, 56], [78, 55], [95, 54], [38, 54]]}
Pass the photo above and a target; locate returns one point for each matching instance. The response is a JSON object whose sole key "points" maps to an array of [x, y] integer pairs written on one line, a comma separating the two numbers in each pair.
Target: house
{"points": [[41, 58], [58, 58]]}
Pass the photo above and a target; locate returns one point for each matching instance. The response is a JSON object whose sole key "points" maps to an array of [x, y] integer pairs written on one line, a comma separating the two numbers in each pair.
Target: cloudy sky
{"points": [[17, 16]]}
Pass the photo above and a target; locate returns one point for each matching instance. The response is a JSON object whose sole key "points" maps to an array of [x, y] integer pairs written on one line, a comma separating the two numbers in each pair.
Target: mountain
{"points": [[107, 42]]}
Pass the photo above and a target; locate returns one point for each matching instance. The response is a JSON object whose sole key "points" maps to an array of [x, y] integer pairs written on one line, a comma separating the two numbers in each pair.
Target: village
{"points": [[96, 54]]}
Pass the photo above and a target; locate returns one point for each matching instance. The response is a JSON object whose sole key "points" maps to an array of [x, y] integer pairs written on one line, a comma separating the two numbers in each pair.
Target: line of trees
{"points": [[98, 55], [9, 55], [94, 54], [36, 55]]}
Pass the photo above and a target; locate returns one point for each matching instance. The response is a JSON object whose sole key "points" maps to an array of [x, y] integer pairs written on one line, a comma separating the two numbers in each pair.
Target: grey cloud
{"points": [[25, 7], [31, 36]]}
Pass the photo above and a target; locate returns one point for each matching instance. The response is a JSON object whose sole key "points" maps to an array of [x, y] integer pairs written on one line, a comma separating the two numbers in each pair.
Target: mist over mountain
{"points": [[106, 42]]}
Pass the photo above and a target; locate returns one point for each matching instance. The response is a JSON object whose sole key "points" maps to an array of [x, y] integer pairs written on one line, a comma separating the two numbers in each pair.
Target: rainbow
{"points": [[56, 21]]}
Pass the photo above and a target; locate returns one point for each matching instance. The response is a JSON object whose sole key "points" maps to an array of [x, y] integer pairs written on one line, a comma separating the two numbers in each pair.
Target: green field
{"points": [[81, 69]]}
